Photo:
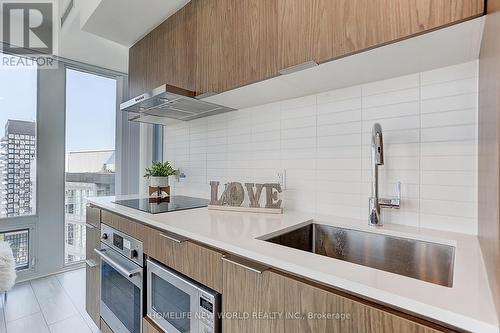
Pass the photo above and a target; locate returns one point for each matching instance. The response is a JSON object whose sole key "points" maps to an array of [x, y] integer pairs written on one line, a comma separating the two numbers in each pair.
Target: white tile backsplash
{"points": [[323, 142]]}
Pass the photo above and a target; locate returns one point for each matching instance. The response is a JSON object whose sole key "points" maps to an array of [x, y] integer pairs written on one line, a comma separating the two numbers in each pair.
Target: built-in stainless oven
{"points": [[178, 304], [121, 280]]}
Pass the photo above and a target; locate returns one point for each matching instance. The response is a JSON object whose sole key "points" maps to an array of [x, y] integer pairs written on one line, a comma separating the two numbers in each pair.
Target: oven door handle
{"points": [[115, 265]]}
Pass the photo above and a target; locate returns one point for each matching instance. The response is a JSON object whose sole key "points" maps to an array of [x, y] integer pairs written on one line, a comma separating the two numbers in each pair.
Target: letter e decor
{"points": [[234, 195]]}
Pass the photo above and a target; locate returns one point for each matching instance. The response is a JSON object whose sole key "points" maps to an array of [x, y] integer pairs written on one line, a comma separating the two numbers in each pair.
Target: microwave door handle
{"points": [[115, 265]]}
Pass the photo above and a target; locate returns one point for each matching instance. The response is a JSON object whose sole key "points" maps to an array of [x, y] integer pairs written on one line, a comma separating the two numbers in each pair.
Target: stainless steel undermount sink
{"points": [[426, 261]]}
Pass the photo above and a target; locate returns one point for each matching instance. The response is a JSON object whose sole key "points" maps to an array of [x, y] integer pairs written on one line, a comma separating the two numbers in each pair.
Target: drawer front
{"points": [[120, 223], [93, 216], [167, 248], [196, 261]]}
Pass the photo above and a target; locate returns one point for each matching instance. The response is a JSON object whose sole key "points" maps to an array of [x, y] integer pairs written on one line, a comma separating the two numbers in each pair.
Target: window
{"points": [[19, 242], [90, 151], [18, 115], [18, 141]]}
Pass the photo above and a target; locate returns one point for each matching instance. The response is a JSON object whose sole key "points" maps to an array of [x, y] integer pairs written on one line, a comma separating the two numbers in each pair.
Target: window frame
{"points": [[48, 257]]}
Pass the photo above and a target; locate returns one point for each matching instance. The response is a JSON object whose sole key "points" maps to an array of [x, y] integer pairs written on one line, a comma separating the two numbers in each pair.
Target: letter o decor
{"points": [[234, 195]]}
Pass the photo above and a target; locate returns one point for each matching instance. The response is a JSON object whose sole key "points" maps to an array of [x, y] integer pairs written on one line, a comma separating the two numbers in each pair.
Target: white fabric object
{"points": [[7, 267]]}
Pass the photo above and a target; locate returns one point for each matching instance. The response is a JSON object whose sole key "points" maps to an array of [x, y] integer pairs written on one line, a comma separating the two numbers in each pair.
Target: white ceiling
{"points": [[126, 21], [445, 47], [82, 46]]}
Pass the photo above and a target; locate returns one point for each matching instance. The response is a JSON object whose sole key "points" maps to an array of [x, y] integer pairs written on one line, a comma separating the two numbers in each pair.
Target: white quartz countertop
{"points": [[467, 305]]}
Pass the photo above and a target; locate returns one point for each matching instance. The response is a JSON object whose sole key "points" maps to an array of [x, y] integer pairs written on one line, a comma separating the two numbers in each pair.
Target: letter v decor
{"points": [[234, 196]]}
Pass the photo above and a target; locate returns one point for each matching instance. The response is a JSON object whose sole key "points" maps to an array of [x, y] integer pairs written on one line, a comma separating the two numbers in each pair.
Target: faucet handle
{"points": [[394, 202]]}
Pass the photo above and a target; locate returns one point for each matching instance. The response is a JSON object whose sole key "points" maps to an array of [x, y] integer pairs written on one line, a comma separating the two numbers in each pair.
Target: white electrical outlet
{"points": [[281, 178]]}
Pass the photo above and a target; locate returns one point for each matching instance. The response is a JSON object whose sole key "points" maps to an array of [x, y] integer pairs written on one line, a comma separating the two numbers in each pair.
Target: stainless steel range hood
{"points": [[169, 102]]}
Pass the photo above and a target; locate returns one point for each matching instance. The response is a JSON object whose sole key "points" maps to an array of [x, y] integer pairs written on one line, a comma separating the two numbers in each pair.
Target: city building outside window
{"points": [[90, 151]]}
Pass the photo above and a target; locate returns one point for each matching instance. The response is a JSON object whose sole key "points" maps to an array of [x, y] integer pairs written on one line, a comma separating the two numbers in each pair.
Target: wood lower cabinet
{"points": [[196, 261], [268, 301], [249, 291], [311, 304], [199, 262], [93, 216], [93, 270]]}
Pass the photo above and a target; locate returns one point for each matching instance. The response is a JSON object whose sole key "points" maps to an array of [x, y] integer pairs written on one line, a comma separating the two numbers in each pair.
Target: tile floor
{"points": [[54, 304]]}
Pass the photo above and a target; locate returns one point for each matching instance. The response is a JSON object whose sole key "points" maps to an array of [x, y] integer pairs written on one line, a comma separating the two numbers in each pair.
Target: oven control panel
{"points": [[123, 243]]}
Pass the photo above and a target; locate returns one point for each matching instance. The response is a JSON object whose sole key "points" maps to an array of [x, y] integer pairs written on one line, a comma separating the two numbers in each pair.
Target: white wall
{"points": [[323, 142]]}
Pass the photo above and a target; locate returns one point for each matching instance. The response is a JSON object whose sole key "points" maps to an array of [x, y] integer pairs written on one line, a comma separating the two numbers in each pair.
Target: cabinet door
{"points": [[93, 274], [252, 295], [322, 30], [235, 44], [198, 262], [319, 310], [93, 215]]}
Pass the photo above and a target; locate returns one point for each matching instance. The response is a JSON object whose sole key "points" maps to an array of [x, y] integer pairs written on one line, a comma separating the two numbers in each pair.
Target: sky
{"points": [[90, 106], [90, 111]]}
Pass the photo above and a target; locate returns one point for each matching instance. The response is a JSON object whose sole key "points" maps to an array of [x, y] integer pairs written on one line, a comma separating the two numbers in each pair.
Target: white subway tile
{"points": [[339, 129], [452, 133], [449, 223], [450, 73], [401, 96], [448, 208], [449, 148], [298, 122], [464, 86], [398, 83], [451, 178], [300, 102], [324, 143], [450, 103], [390, 111], [452, 193], [451, 118], [397, 124], [340, 106], [339, 140], [339, 117], [339, 94], [445, 163]]}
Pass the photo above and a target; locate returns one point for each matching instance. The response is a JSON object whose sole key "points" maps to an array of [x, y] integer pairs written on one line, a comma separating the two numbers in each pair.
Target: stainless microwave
{"points": [[178, 304]]}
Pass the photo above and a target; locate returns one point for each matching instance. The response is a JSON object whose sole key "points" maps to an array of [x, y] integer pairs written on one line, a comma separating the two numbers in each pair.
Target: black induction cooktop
{"points": [[155, 205]]}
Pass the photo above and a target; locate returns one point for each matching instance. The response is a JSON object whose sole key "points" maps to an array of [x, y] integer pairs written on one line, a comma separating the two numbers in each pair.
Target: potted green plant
{"points": [[158, 173]]}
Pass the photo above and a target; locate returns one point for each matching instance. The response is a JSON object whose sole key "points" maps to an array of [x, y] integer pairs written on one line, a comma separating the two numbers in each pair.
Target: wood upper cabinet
{"points": [[165, 55], [276, 303], [322, 30], [93, 267], [217, 45], [236, 43]]}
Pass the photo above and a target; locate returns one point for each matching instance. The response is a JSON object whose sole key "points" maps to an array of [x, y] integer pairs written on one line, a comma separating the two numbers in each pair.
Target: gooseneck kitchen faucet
{"points": [[375, 203]]}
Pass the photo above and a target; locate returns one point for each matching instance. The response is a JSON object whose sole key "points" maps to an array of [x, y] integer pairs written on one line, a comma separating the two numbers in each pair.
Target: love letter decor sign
{"points": [[234, 195]]}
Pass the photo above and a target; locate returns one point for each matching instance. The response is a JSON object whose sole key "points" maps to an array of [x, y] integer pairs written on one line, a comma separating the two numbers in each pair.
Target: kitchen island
{"points": [[294, 281]]}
